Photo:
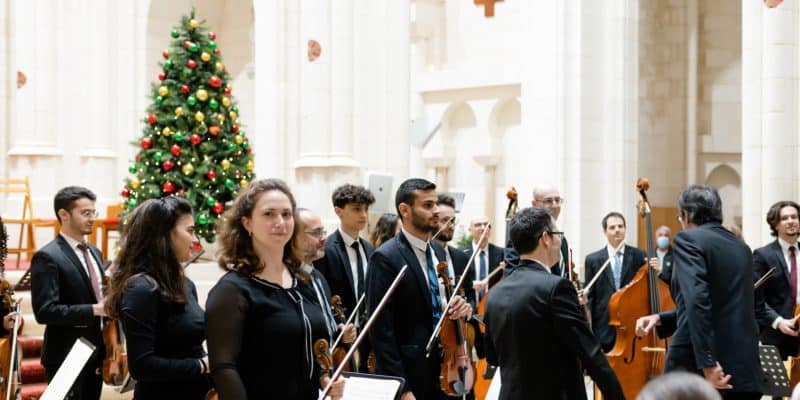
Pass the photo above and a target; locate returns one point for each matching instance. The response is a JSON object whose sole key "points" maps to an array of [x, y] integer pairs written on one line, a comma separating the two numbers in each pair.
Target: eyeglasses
{"points": [[679, 217], [556, 233], [552, 201], [318, 233], [89, 213]]}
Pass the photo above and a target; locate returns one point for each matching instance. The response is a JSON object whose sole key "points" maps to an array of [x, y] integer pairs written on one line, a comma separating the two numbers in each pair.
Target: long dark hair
{"points": [[385, 229], [236, 247], [147, 250]]}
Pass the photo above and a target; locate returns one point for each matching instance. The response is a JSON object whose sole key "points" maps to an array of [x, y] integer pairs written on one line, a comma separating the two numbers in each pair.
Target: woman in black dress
{"points": [[157, 303], [262, 317]]}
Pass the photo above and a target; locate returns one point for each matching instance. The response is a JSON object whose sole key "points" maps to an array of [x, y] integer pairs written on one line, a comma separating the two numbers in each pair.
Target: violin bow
{"points": [[764, 278], [455, 290], [350, 319], [446, 224], [602, 268], [364, 331]]}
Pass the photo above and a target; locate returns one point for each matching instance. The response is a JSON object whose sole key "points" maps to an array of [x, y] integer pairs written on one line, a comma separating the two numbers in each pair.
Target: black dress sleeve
{"points": [[139, 309], [225, 315]]}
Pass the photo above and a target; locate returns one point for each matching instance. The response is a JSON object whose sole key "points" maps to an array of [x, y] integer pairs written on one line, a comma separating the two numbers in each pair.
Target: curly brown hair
{"points": [[236, 247], [147, 250]]}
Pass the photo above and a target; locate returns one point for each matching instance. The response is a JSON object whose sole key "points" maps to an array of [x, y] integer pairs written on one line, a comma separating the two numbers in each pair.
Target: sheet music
{"points": [[494, 387], [59, 387], [371, 387]]}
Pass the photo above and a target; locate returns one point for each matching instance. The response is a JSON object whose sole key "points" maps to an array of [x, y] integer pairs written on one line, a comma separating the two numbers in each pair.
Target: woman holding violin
{"points": [[157, 303], [262, 316]]}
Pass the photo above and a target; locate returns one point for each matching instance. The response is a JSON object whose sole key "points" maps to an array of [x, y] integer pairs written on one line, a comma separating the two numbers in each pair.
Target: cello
{"points": [[457, 338], [636, 360]]}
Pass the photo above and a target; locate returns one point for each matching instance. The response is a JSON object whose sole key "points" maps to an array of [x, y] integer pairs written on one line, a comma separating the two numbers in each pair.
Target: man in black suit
{"points": [[401, 331], [620, 271], [535, 329], [714, 329], [346, 253], [780, 291], [489, 257], [546, 196], [66, 276], [664, 258]]}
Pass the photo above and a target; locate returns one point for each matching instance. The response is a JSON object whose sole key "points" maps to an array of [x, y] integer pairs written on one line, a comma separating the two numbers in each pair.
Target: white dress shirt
{"points": [[351, 256], [79, 253]]}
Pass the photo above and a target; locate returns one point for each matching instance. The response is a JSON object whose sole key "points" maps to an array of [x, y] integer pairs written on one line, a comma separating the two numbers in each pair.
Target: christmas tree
{"points": [[191, 145]]}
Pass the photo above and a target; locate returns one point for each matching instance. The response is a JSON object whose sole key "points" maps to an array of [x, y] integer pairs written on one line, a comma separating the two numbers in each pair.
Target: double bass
{"points": [[636, 360], [457, 338]]}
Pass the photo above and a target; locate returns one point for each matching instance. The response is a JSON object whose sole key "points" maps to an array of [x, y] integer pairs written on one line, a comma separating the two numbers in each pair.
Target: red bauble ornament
{"points": [[228, 90], [168, 187], [191, 64], [175, 150], [186, 44], [248, 150], [168, 165], [214, 81], [185, 89], [214, 130], [146, 143], [165, 53], [217, 51], [235, 128], [162, 76], [151, 119], [211, 174], [125, 192], [138, 158], [212, 35], [195, 139], [217, 208]]}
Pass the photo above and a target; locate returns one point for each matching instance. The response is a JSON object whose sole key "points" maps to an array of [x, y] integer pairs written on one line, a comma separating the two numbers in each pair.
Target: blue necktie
{"points": [[433, 285], [481, 270], [617, 270]]}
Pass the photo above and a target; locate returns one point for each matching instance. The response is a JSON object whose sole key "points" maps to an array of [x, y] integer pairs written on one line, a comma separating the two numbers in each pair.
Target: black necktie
{"points": [[359, 270]]}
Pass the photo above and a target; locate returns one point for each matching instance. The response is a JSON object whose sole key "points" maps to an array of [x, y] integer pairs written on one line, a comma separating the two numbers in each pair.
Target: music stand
{"points": [[776, 380]]}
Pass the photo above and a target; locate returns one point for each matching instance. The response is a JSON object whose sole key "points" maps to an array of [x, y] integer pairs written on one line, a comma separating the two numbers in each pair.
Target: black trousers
{"points": [[728, 395], [87, 386]]}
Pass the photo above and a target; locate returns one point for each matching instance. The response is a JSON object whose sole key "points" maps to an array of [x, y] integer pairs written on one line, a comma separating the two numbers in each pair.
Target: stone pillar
{"points": [[769, 112]]}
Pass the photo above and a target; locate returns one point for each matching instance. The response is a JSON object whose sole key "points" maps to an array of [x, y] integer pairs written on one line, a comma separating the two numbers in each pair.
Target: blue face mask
{"points": [[663, 242]]}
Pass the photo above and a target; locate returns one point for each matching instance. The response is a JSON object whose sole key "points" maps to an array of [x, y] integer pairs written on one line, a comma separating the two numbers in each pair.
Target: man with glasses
{"points": [[66, 281], [548, 197], [346, 253], [488, 258], [625, 262], [535, 329]]}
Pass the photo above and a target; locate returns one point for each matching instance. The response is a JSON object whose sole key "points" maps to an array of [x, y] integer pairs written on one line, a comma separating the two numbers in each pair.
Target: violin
{"points": [[341, 350], [457, 371], [115, 363], [10, 354]]}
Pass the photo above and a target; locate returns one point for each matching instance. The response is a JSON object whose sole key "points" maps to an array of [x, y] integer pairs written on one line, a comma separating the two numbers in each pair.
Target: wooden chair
{"points": [[27, 222]]}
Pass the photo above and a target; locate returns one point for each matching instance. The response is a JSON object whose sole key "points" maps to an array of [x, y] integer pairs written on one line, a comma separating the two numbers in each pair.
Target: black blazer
{"points": [[538, 335], [666, 269], [335, 267], [511, 257], [714, 320], [494, 258], [776, 293], [600, 293], [62, 299], [401, 331]]}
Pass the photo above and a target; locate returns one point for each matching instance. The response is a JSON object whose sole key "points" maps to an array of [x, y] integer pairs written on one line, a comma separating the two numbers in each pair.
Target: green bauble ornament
{"points": [[193, 47], [231, 147], [235, 109], [158, 156], [191, 101], [213, 104], [202, 219], [174, 33], [132, 203], [210, 201], [132, 169], [245, 145], [229, 184], [212, 44], [168, 64], [179, 136], [159, 100]]}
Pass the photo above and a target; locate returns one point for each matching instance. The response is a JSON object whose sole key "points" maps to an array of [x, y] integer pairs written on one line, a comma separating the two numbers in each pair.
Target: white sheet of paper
{"points": [[494, 387], [358, 388], [59, 387]]}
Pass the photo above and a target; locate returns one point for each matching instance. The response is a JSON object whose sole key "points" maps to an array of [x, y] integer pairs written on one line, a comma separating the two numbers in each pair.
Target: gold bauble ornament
{"points": [[135, 183], [166, 131], [250, 165], [199, 116], [201, 95], [193, 23], [179, 111], [233, 114], [162, 91], [226, 101], [225, 164], [238, 139], [220, 66], [220, 118], [243, 183], [205, 56], [187, 169]]}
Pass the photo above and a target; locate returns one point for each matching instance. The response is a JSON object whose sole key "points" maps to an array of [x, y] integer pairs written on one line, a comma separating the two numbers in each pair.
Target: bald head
{"points": [[548, 196], [308, 241]]}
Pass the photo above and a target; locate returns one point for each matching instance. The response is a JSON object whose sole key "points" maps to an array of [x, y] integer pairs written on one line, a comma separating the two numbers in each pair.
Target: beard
{"points": [[422, 224]]}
